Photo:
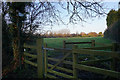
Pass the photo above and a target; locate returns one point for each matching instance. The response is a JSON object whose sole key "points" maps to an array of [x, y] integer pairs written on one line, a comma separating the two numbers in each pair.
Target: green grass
{"points": [[58, 42]]}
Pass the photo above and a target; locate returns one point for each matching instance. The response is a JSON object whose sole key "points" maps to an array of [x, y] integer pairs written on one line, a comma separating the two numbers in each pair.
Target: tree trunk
{"points": [[16, 50]]}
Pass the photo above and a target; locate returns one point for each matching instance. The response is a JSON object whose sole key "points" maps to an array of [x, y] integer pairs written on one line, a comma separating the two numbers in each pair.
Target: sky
{"points": [[92, 25]]}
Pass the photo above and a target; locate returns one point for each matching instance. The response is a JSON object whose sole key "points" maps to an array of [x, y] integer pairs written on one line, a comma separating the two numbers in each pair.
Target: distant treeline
{"points": [[82, 34]]}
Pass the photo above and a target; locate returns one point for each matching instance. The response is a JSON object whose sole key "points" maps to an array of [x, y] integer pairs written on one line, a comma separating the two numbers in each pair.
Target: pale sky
{"points": [[92, 25]]}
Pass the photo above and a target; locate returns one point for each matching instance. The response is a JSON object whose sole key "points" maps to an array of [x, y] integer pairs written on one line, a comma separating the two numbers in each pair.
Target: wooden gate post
{"points": [[113, 63], [25, 64], [93, 43], [45, 60], [40, 60], [75, 61], [64, 45], [25, 57]]}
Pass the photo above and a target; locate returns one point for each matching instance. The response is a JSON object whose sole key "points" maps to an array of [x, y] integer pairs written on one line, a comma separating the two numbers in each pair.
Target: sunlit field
{"points": [[58, 42]]}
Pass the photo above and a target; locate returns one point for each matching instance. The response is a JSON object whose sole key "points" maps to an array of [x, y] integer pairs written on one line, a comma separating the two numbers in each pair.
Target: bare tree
{"points": [[47, 13], [79, 9], [40, 15]]}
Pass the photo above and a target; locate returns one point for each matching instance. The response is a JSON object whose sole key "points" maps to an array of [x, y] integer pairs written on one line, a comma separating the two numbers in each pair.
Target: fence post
{"points": [[93, 43], [25, 64], [75, 61], [45, 59], [113, 63], [64, 46], [40, 58], [25, 57]]}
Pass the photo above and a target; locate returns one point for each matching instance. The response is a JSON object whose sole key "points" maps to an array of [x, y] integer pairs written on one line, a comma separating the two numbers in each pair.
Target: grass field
{"points": [[58, 42]]}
